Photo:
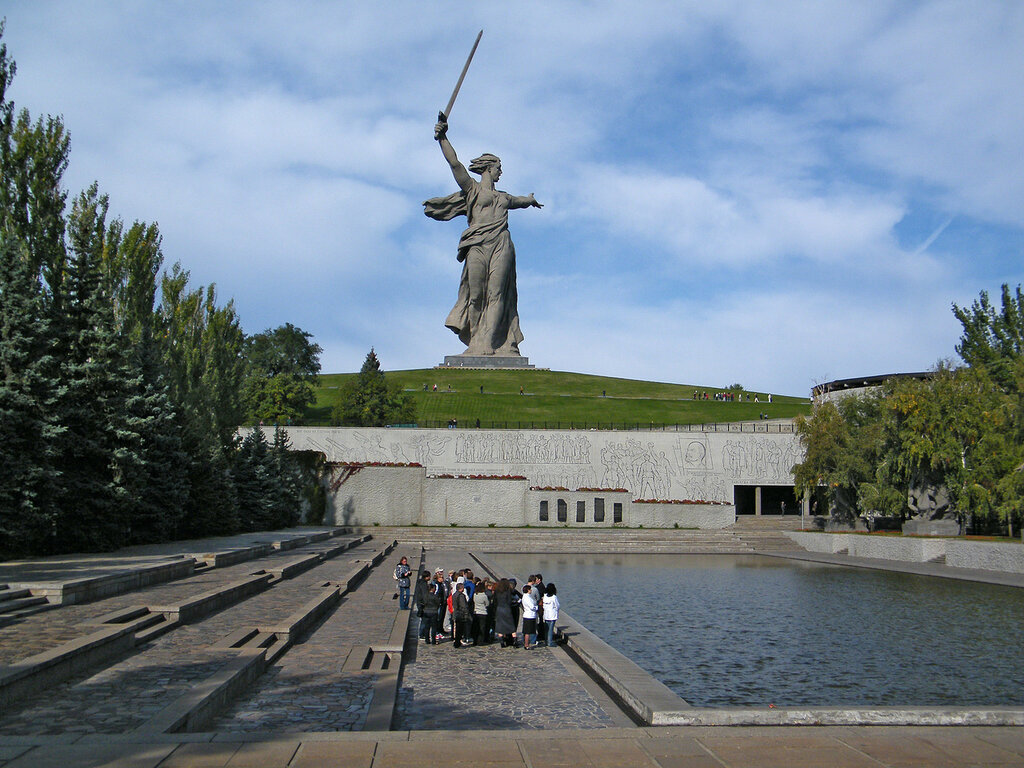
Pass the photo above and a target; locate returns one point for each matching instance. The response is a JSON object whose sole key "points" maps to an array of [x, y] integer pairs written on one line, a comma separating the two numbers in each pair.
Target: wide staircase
{"points": [[732, 540], [765, 533]]}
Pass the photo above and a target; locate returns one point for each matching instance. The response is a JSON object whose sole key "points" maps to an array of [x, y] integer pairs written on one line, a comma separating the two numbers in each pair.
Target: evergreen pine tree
{"points": [[26, 436], [255, 482], [158, 489], [287, 481], [98, 452], [369, 401]]}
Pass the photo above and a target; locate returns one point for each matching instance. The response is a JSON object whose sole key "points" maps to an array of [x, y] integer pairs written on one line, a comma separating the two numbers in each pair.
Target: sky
{"points": [[772, 194]]}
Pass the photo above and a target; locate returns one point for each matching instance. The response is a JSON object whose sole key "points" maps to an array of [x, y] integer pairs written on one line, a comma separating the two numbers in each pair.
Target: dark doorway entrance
{"points": [[773, 497]]}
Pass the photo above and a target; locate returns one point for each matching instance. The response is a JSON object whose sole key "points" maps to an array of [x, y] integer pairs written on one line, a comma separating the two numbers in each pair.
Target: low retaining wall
{"points": [[982, 555], [405, 495], [94, 587], [670, 515]]}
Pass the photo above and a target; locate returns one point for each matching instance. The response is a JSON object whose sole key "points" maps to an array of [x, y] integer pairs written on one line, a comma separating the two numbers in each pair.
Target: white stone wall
{"points": [[986, 555], [574, 498], [383, 495], [683, 515], [473, 502], [389, 495], [690, 466]]}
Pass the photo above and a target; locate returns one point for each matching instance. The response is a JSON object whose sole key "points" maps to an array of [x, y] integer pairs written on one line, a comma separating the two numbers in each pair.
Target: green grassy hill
{"points": [[555, 399]]}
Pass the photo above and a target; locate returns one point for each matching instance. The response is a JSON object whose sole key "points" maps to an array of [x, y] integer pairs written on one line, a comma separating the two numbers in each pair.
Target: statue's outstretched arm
{"points": [[519, 201], [462, 177]]}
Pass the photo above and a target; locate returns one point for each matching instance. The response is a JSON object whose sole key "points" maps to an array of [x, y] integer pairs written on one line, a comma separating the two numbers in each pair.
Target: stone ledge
{"points": [[235, 556], [215, 599], [92, 588], [202, 703], [57, 664]]}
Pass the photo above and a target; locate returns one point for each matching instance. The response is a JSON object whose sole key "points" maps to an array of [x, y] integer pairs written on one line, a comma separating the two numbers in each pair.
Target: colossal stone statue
{"points": [[486, 315]]}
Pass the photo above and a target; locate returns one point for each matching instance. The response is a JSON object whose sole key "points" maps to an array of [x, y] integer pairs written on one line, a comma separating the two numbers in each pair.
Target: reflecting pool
{"points": [[724, 630]]}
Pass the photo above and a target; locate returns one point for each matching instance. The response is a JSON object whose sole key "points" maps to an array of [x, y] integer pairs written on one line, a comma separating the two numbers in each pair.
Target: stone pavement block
{"points": [[688, 761], [555, 753], [480, 751], [264, 754], [660, 746], [444, 754], [206, 755], [772, 750], [610, 753], [350, 754], [1010, 739], [94, 756], [892, 748], [679, 752], [9, 753], [975, 748]]}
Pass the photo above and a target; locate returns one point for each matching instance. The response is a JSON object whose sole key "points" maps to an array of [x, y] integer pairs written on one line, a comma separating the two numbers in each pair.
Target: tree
{"points": [[277, 399], [158, 490], [28, 371], [26, 393], [956, 430], [97, 448], [285, 349], [201, 347], [369, 401], [993, 339], [844, 445], [283, 367]]}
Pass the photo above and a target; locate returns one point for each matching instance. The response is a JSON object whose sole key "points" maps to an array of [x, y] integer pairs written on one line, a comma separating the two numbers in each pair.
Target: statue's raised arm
{"points": [[462, 177], [486, 315]]}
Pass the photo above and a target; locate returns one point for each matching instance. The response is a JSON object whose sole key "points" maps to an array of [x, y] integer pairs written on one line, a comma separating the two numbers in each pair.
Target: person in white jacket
{"points": [[529, 604], [550, 612]]}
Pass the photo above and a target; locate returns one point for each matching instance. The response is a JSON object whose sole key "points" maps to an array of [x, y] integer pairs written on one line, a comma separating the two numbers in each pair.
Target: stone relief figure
{"points": [[486, 315]]}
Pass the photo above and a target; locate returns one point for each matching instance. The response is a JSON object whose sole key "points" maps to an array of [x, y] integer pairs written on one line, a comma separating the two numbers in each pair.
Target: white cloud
{"points": [[724, 182]]}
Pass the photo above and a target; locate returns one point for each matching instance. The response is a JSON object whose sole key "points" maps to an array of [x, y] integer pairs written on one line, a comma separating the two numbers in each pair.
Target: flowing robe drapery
{"points": [[486, 314]]}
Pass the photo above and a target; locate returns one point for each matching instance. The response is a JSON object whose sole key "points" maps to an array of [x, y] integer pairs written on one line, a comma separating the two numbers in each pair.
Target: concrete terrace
{"points": [[287, 649]]}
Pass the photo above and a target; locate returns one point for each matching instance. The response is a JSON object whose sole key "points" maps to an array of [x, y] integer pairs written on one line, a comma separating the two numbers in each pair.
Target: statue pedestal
{"points": [[486, 361], [943, 527]]}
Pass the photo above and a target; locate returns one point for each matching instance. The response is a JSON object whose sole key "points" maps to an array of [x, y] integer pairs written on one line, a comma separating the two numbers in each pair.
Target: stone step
{"points": [[16, 604], [10, 617], [6, 593]]}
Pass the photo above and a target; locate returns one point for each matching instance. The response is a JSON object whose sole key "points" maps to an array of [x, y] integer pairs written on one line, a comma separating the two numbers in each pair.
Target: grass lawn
{"points": [[553, 398]]}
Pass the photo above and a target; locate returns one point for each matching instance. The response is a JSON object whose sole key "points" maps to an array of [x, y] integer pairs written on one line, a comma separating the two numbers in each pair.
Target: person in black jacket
{"points": [[460, 616], [431, 605], [422, 586]]}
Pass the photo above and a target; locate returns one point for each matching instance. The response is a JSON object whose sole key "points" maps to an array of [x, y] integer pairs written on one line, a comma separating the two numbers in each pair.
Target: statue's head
{"points": [[487, 162]]}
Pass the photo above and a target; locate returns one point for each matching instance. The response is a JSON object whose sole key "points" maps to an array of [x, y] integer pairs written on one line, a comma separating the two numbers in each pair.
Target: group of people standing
{"points": [[475, 611]]}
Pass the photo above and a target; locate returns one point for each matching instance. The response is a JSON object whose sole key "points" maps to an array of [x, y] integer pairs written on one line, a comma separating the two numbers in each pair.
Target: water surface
{"points": [[723, 630]]}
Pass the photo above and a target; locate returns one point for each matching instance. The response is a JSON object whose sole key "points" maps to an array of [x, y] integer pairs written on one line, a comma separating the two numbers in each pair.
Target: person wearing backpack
{"points": [[402, 574]]}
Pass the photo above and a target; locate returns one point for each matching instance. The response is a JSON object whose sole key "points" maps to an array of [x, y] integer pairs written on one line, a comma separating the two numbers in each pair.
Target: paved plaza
{"points": [[289, 649]]}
